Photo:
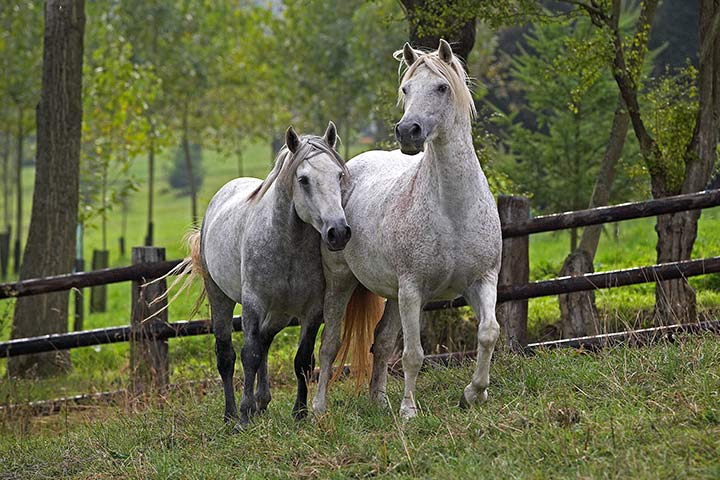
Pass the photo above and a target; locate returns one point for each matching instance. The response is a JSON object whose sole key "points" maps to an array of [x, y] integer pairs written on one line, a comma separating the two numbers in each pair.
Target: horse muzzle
{"points": [[337, 236], [411, 137]]}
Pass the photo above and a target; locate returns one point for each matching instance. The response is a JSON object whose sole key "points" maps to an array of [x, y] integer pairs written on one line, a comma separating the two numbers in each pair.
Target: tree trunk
{"points": [[19, 191], [151, 187], [6, 181], [189, 166], [429, 21], [578, 312], [675, 300], [50, 248]]}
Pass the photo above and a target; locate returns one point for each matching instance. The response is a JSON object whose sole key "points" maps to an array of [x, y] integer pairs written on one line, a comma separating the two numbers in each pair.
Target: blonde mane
{"points": [[453, 72], [287, 163]]}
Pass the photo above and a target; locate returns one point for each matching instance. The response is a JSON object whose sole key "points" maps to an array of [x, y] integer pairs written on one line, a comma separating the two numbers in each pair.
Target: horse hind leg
{"points": [[221, 310], [386, 333], [304, 363], [482, 296]]}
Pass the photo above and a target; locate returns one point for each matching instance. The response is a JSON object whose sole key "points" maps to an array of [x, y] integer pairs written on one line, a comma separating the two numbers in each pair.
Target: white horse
{"points": [[260, 246], [425, 227]]}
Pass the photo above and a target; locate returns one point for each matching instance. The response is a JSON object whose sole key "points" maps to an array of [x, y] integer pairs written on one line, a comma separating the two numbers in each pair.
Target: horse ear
{"points": [[292, 140], [445, 51], [331, 134], [409, 54]]}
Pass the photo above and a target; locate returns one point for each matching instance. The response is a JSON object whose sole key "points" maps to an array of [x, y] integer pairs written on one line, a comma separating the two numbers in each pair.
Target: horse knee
{"points": [[412, 359], [225, 357], [488, 333]]}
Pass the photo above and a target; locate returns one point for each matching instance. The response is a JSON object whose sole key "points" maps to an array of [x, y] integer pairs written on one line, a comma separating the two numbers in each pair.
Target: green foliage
{"points": [[671, 107], [557, 158]]}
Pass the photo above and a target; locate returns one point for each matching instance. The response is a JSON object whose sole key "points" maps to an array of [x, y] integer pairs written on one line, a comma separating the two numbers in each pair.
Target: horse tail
{"points": [[186, 272], [362, 314]]}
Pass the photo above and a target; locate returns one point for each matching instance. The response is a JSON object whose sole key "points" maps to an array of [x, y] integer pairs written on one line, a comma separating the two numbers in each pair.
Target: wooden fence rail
{"points": [[163, 331]]}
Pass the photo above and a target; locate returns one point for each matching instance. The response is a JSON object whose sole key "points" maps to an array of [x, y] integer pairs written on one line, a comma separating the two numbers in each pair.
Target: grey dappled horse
{"points": [[260, 246], [425, 227]]}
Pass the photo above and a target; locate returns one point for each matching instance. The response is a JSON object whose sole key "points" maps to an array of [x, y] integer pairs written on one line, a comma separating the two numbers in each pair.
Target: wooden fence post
{"points": [[515, 269], [149, 362]]}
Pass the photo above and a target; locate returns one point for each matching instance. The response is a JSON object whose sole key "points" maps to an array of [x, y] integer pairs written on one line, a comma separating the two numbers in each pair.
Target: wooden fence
{"points": [[149, 359]]}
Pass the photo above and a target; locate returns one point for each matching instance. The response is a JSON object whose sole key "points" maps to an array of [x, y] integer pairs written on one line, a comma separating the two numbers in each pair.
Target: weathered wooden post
{"points": [[515, 269], [149, 362]]}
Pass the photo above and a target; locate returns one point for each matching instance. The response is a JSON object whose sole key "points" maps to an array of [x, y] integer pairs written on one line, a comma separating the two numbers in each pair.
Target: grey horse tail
{"points": [[362, 315], [186, 272]]}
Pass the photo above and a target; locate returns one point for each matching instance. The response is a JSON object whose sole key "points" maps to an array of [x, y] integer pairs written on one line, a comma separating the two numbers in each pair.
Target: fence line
{"points": [[163, 331], [545, 223]]}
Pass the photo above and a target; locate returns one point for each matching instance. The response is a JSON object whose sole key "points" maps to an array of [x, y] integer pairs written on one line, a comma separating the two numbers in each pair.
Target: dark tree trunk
{"points": [[6, 181], [675, 300], [578, 313], [18, 191], [151, 187], [429, 21], [50, 248]]}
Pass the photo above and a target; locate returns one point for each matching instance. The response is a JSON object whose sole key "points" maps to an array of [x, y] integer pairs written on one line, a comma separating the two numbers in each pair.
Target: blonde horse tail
{"points": [[362, 314], [186, 272]]}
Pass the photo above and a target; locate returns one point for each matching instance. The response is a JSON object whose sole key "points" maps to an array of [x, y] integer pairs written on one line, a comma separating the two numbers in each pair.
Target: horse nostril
{"points": [[348, 232], [331, 234], [415, 130], [397, 129]]}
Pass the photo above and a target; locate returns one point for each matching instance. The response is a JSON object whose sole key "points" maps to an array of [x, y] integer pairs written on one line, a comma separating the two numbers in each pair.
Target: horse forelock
{"points": [[287, 163], [453, 72]]}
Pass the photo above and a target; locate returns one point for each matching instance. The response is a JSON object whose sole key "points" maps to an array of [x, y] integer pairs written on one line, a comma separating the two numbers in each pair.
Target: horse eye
{"points": [[404, 90], [442, 88], [303, 180], [341, 175]]}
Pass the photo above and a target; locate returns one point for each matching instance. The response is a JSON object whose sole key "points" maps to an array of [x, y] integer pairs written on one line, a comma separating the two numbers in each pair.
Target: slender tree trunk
{"points": [[151, 186], [19, 192], [6, 181], [578, 311], [50, 248], [189, 166], [104, 205]]}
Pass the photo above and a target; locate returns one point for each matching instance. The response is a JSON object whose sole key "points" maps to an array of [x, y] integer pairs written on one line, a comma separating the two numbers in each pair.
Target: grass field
{"points": [[641, 413]]}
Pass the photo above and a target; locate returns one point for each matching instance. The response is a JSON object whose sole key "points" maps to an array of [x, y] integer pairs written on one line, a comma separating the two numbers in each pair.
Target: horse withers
{"points": [[426, 227], [259, 246]]}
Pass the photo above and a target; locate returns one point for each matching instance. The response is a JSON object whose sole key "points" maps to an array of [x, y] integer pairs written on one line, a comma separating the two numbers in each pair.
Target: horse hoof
{"points": [[300, 413], [463, 403], [406, 413]]}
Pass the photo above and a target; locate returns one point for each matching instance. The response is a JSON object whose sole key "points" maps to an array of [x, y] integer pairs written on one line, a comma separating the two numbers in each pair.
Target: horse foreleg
{"points": [[337, 296], [303, 363], [251, 355], [386, 333], [221, 309], [270, 327], [482, 296], [410, 304]]}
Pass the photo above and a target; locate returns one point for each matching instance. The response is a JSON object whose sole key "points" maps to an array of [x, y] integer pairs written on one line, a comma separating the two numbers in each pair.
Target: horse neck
{"points": [[450, 168], [283, 216]]}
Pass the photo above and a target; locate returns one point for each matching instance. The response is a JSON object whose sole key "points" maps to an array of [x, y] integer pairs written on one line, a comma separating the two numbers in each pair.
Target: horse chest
{"points": [[284, 279]]}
